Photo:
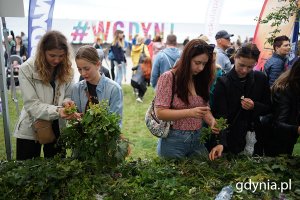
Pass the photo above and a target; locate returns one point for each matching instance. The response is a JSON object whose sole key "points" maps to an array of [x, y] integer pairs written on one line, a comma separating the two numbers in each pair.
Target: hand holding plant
{"points": [[220, 125]]}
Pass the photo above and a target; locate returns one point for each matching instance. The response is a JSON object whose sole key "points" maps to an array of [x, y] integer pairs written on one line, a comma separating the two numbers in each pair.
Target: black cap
{"points": [[223, 34]]}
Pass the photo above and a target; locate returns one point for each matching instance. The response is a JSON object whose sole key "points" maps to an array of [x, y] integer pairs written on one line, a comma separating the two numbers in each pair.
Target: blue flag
{"points": [[39, 21], [294, 43]]}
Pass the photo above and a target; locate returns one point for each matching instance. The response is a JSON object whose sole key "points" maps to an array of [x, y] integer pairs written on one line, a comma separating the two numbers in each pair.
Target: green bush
{"points": [[146, 179]]}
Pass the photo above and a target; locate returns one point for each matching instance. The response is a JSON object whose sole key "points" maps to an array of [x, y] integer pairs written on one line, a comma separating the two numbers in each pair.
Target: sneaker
{"points": [[139, 100]]}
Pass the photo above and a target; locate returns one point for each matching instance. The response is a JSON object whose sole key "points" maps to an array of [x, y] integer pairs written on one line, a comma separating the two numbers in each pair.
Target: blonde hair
{"points": [[205, 38], [50, 41], [117, 39], [140, 40]]}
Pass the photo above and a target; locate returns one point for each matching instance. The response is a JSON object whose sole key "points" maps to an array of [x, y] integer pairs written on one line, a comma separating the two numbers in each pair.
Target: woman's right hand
{"points": [[216, 152], [199, 112]]}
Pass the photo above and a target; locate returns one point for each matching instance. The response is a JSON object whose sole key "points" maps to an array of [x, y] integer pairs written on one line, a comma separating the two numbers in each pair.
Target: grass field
{"points": [[134, 128]]}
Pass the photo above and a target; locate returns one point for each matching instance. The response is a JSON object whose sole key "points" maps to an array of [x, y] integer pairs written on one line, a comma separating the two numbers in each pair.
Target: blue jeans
{"points": [[181, 144], [119, 72]]}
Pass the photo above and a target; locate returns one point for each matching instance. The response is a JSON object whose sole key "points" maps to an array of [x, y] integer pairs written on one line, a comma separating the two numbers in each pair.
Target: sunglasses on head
{"points": [[209, 47]]}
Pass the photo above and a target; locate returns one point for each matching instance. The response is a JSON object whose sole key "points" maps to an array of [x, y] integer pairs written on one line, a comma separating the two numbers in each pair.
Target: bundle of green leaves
{"points": [[206, 133], [97, 137]]}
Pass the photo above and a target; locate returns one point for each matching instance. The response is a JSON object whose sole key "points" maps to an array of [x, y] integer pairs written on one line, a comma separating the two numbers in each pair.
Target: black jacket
{"points": [[227, 104], [286, 119], [23, 51], [118, 53]]}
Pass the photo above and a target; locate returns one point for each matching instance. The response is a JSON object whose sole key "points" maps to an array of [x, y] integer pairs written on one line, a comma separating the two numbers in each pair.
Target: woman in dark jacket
{"points": [[286, 111], [119, 56], [241, 96], [19, 49]]}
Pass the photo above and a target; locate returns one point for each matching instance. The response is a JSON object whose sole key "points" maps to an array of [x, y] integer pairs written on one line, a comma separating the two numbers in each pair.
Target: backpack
{"points": [[146, 68], [111, 55]]}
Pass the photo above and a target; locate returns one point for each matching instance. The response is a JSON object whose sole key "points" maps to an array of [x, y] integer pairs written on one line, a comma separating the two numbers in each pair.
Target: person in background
{"points": [[137, 50], [95, 87], [191, 76], [119, 56], [126, 46], [286, 112], [148, 40], [186, 40], [217, 69], [138, 81], [98, 43], [45, 82], [223, 42], [241, 96], [157, 46], [24, 39], [277, 64], [134, 39], [19, 49], [165, 59]]}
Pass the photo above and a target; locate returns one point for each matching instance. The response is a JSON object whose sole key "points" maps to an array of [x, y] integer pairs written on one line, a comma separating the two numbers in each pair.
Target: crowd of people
{"points": [[193, 86]]}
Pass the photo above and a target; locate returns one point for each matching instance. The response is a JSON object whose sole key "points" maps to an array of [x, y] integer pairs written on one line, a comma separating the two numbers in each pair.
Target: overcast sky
{"points": [[186, 11]]}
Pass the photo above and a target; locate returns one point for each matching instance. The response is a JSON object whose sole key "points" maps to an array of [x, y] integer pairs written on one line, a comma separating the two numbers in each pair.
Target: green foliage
{"points": [[278, 17], [97, 137], [70, 109], [146, 179], [206, 133]]}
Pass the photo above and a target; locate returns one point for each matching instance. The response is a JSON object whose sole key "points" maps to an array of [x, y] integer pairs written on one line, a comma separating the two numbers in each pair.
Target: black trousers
{"points": [[28, 149], [112, 69]]}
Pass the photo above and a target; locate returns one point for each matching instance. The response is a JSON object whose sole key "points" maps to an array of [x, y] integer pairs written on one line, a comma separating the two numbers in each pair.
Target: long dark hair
{"points": [[202, 80], [290, 78]]}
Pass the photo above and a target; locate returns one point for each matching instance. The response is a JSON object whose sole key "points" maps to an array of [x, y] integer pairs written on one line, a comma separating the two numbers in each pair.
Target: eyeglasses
{"points": [[248, 50], [209, 47]]}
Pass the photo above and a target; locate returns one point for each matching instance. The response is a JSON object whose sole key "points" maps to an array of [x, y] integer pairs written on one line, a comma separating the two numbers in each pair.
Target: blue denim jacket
{"points": [[106, 89]]}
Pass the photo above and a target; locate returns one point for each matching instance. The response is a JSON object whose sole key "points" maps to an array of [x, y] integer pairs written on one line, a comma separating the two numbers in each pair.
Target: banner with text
{"points": [[212, 18], [87, 31], [39, 21]]}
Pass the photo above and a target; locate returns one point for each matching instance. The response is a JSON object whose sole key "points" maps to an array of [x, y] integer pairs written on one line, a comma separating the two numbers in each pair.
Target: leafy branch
{"points": [[97, 137], [278, 17], [206, 132]]}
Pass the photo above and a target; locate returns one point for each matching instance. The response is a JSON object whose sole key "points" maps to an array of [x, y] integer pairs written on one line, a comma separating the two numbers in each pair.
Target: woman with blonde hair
{"points": [[119, 56], [138, 49], [45, 82]]}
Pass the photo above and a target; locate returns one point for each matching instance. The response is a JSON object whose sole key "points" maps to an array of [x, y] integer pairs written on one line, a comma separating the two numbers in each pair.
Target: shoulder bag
{"points": [[159, 128], [43, 128]]}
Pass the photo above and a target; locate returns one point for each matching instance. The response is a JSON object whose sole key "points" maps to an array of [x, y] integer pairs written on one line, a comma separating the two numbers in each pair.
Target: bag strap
{"points": [[167, 59], [173, 93]]}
